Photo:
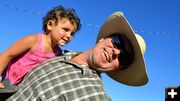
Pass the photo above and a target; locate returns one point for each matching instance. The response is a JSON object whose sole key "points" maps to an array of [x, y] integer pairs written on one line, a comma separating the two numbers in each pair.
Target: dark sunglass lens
{"points": [[123, 58], [116, 41], [119, 42]]}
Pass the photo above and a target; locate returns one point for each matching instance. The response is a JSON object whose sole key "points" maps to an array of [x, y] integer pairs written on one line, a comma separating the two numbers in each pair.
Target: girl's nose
{"points": [[68, 36]]}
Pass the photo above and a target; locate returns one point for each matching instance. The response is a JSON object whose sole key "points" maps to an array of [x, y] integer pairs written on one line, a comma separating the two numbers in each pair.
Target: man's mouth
{"points": [[107, 55]]}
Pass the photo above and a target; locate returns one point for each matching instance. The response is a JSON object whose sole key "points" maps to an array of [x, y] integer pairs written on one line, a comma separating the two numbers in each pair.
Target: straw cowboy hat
{"points": [[135, 74]]}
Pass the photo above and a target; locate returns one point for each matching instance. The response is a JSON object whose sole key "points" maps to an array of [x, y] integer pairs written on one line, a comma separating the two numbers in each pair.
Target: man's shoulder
{"points": [[70, 54], [65, 56]]}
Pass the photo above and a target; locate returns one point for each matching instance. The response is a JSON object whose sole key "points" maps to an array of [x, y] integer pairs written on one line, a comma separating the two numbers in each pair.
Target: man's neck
{"points": [[80, 59]]}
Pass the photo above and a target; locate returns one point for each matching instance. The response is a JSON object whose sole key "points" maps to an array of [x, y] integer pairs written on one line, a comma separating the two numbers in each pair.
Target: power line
{"points": [[23, 10], [88, 24], [155, 32]]}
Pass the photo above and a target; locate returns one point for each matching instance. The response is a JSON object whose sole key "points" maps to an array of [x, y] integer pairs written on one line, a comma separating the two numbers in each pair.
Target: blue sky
{"points": [[156, 20]]}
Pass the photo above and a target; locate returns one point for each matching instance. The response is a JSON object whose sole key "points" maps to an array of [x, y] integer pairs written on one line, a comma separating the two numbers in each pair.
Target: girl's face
{"points": [[61, 33]]}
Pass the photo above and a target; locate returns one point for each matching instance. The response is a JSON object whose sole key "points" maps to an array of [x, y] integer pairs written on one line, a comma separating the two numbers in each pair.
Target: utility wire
{"points": [[23, 10], [88, 24]]}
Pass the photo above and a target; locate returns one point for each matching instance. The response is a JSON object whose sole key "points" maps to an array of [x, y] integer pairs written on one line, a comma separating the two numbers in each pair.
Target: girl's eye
{"points": [[72, 33], [66, 29]]}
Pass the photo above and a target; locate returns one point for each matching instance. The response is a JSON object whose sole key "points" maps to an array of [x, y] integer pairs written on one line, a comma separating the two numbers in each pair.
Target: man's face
{"points": [[104, 56], [114, 52]]}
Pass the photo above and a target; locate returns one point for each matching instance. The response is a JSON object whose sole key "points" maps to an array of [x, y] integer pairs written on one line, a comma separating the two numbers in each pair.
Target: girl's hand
{"points": [[1, 85]]}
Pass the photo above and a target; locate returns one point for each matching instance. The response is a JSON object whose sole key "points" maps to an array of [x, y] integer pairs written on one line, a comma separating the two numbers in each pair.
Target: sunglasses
{"points": [[126, 56]]}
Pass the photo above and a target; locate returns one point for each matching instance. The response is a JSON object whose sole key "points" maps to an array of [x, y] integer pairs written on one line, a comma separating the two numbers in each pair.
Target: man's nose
{"points": [[116, 53]]}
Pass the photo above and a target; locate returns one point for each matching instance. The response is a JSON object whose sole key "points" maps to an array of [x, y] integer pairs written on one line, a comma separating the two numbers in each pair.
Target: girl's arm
{"points": [[22, 45]]}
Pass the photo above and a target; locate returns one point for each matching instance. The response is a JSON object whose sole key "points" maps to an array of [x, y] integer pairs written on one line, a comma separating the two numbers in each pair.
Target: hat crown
{"points": [[141, 43]]}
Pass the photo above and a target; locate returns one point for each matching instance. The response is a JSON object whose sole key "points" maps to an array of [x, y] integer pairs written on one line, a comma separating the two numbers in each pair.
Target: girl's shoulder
{"points": [[32, 36], [31, 40]]}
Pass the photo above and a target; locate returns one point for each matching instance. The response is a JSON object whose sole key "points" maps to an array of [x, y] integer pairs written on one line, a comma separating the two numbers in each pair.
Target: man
{"points": [[75, 77]]}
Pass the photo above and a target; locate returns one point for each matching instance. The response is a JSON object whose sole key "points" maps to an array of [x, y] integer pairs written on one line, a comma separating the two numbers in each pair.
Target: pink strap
{"points": [[39, 45]]}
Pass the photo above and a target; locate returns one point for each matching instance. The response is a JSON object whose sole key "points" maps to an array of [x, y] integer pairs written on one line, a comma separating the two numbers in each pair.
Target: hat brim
{"points": [[135, 74]]}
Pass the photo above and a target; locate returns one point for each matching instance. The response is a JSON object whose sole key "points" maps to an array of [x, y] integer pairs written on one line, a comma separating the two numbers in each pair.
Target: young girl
{"points": [[59, 25]]}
